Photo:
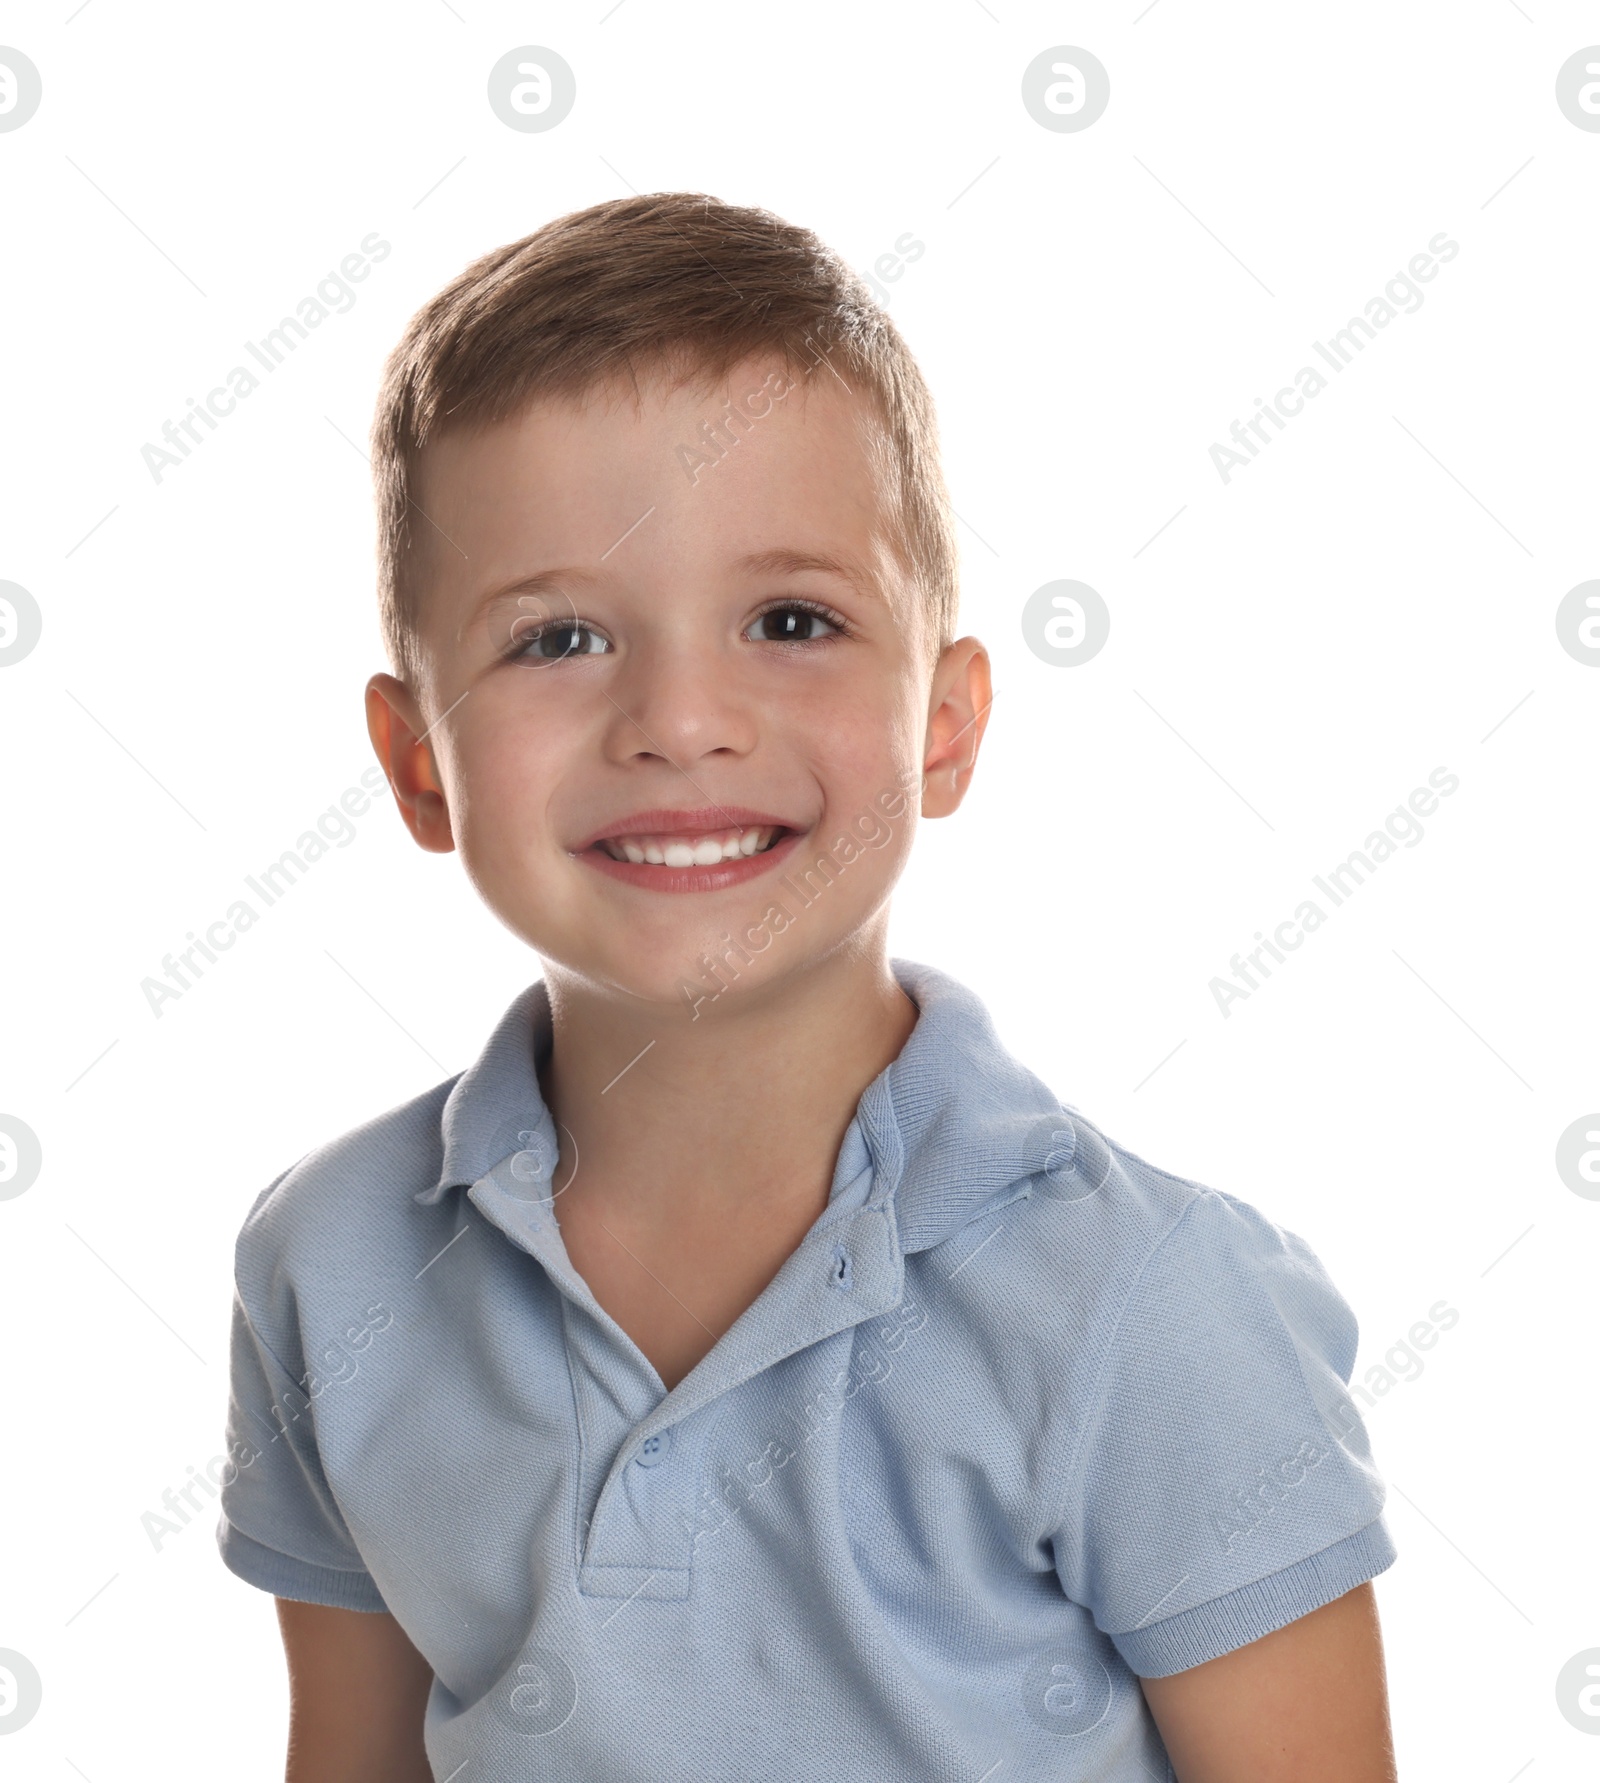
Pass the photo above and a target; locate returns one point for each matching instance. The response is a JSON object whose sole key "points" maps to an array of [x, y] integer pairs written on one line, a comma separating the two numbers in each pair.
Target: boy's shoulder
{"points": [[1089, 1222], [1037, 1218], [975, 1131], [330, 1205], [1109, 1222], [360, 1204]]}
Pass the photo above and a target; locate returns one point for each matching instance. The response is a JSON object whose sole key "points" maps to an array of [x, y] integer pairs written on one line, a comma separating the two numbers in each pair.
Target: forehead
{"points": [[641, 484]]}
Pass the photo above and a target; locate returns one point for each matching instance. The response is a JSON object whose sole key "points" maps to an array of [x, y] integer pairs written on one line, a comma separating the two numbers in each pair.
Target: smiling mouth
{"points": [[707, 850]]}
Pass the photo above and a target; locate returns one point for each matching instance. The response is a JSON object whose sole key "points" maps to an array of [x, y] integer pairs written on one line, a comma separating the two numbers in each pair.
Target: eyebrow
{"points": [[780, 560], [535, 583]]}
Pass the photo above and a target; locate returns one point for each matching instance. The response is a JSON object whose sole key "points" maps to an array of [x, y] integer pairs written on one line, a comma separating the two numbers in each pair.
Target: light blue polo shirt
{"points": [[1021, 1419]]}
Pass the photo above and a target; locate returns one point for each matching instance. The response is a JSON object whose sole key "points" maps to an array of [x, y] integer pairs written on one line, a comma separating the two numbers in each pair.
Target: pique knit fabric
{"points": [[1021, 1420]]}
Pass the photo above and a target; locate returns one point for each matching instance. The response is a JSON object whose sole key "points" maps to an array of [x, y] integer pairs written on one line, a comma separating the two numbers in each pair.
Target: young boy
{"points": [[746, 1368]]}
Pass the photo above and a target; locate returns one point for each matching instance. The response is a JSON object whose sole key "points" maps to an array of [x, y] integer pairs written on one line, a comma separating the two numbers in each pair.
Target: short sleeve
{"points": [[280, 1527], [1222, 1484]]}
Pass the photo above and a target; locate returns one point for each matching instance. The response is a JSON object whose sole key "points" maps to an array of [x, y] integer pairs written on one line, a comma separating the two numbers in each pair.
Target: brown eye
{"points": [[792, 624], [558, 639]]}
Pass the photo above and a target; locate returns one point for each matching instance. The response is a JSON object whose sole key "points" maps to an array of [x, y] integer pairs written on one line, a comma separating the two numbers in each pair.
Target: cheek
{"points": [[871, 750], [496, 774], [874, 792]]}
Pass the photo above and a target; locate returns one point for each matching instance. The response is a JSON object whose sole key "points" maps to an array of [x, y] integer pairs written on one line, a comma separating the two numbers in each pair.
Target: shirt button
{"points": [[654, 1449]]}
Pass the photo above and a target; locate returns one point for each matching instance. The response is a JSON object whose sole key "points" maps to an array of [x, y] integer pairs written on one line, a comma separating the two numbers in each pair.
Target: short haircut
{"points": [[674, 282]]}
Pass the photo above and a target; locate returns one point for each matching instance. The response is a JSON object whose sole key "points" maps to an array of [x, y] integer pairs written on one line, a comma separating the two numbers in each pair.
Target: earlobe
{"points": [[394, 723]]}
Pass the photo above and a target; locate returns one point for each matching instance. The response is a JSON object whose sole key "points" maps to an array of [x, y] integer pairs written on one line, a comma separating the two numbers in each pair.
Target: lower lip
{"points": [[693, 879]]}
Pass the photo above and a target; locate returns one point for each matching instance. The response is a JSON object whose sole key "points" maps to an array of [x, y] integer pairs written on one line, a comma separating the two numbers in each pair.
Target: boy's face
{"points": [[612, 646]]}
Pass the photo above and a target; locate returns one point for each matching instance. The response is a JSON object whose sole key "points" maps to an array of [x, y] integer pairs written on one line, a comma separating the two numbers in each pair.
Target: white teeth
{"points": [[701, 851]]}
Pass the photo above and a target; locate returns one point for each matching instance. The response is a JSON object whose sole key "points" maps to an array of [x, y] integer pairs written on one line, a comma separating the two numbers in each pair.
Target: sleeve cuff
{"points": [[285, 1576], [1211, 1629]]}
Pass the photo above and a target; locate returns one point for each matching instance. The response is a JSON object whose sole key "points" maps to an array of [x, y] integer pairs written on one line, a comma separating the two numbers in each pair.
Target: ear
{"points": [[394, 723], [958, 702]]}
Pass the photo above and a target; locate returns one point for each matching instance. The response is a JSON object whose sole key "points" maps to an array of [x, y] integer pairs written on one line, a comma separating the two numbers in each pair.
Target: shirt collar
{"points": [[950, 1125]]}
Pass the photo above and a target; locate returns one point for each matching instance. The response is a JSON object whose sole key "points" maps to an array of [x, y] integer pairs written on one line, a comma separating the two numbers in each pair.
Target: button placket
{"points": [[645, 1512], [638, 1542]]}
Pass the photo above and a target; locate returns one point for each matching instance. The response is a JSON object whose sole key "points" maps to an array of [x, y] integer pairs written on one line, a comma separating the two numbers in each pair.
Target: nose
{"points": [[680, 698]]}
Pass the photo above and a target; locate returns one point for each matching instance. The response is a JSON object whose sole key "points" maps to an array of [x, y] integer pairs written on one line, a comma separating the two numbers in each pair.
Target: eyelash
{"points": [[527, 639], [800, 604]]}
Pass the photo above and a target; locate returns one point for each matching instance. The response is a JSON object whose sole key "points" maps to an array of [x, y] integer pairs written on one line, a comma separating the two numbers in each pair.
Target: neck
{"points": [[660, 1117]]}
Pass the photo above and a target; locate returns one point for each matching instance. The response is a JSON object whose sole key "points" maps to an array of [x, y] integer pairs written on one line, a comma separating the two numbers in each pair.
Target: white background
{"points": [[1372, 598]]}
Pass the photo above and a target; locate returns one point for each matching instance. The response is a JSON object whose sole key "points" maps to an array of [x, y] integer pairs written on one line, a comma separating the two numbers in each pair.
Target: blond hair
{"points": [[662, 281]]}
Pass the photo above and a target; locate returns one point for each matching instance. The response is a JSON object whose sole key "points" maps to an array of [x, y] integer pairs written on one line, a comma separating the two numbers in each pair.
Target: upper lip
{"points": [[707, 820]]}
